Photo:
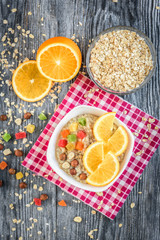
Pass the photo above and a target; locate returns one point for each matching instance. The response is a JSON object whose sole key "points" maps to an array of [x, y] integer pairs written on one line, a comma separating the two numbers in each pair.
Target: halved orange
{"points": [[29, 84], [106, 171], [118, 142], [93, 156], [103, 126], [59, 59]]}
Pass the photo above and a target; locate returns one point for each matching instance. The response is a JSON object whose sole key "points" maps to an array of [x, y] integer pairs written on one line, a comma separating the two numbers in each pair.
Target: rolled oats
{"points": [[120, 60]]}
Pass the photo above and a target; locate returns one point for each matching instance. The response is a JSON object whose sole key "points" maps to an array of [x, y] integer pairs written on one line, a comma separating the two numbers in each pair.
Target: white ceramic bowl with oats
{"points": [[52, 153]]}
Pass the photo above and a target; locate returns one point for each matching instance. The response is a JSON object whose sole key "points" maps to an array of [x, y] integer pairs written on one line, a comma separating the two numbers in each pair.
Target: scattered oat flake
{"points": [[13, 10], [13, 229], [120, 225], [158, 7], [99, 193], [31, 36], [39, 232], [40, 189], [20, 238], [90, 234], [156, 127], [5, 21], [93, 212], [39, 208], [139, 192], [80, 23], [29, 13], [77, 219], [7, 152], [149, 126], [18, 121], [151, 120], [132, 205]]}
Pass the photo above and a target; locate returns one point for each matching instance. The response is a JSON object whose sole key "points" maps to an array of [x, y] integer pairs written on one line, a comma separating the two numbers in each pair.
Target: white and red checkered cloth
{"points": [[147, 139]]}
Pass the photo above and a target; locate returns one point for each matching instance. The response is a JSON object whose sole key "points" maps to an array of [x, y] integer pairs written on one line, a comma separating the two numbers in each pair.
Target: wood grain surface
{"points": [[49, 18]]}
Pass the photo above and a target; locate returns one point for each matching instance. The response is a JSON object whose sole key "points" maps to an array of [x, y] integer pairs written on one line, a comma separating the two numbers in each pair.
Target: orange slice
{"points": [[59, 59], [106, 171], [103, 126], [93, 156], [29, 84], [118, 142]]}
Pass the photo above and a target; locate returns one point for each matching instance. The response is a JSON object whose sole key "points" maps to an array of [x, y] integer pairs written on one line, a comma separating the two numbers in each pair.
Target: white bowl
{"points": [[51, 155]]}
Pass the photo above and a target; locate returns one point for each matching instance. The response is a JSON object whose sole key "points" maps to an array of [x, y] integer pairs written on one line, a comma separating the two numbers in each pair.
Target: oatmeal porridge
{"points": [[74, 139]]}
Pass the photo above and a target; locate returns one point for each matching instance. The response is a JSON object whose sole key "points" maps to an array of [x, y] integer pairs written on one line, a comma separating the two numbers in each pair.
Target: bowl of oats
{"points": [[121, 60]]}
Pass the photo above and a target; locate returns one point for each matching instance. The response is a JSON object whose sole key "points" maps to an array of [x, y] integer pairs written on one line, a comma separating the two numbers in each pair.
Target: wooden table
{"points": [[85, 19]]}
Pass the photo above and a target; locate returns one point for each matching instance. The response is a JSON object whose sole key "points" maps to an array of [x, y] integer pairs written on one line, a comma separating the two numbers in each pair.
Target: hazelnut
{"points": [[18, 153], [62, 156], [74, 163], [1, 146], [27, 115], [23, 185], [1, 183], [83, 176], [73, 171], [44, 197], [12, 171], [3, 117]]}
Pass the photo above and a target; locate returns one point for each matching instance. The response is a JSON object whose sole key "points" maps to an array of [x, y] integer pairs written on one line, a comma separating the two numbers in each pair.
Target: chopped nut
{"points": [[73, 171], [71, 155], [18, 153], [27, 115], [7, 152], [65, 165], [74, 163], [1, 183], [23, 185], [1, 146], [3, 117], [12, 171], [44, 197]]}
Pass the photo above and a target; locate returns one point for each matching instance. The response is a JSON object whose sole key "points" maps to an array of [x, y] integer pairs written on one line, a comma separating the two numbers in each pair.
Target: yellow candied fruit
{"points": [[73, 127], [19, 175], [70, 146], [30, 128]]}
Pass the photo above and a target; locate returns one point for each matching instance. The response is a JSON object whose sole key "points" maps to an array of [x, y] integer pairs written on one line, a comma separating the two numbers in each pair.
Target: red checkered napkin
{"points": [[147, 138]]}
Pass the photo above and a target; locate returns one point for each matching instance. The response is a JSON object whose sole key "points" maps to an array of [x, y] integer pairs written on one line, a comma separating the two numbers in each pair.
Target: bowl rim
{"points": [[149, 44], [51, 156]]}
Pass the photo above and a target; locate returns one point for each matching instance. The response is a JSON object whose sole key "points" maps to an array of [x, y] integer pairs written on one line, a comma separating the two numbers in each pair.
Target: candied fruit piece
{"points": [[30, 128], [62, 143], [70, 146], [20, 135], [62, 203], [73, 127], [6, 137], [65, 133], [82, 121], [81, 134], [3, 165], [37, 201], [19, 175], [79, 146], [72, 138], [42, 116]]}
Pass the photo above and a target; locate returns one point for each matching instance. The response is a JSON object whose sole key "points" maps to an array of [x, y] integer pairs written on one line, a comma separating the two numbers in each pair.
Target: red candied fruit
{"points": [[62, 143], [81, 134], [37, 201], [20, 135]]}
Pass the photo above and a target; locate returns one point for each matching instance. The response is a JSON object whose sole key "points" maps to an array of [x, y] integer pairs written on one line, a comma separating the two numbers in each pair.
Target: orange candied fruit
{"points": [[79, 146], [62, 203], [3, 165], [65, 133]]}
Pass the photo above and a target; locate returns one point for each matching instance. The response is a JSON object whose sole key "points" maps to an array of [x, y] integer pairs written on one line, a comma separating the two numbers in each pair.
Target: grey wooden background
{"points": [[62, 17]]}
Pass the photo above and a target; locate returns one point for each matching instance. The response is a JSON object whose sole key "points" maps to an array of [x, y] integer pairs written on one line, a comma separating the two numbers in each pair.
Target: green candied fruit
{"points": [[6, 137], [42, 116], [72, 138], [82, 121]]}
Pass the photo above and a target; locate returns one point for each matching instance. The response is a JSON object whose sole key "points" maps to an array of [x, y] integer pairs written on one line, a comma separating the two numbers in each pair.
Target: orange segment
{"points": [[118, 142], [106, 171], [29, 84], [59, 59], [93, 156], [103, 126]]}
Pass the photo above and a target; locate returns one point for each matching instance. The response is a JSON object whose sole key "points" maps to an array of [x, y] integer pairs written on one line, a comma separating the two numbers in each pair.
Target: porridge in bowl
{"points": [[75, 139]]}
